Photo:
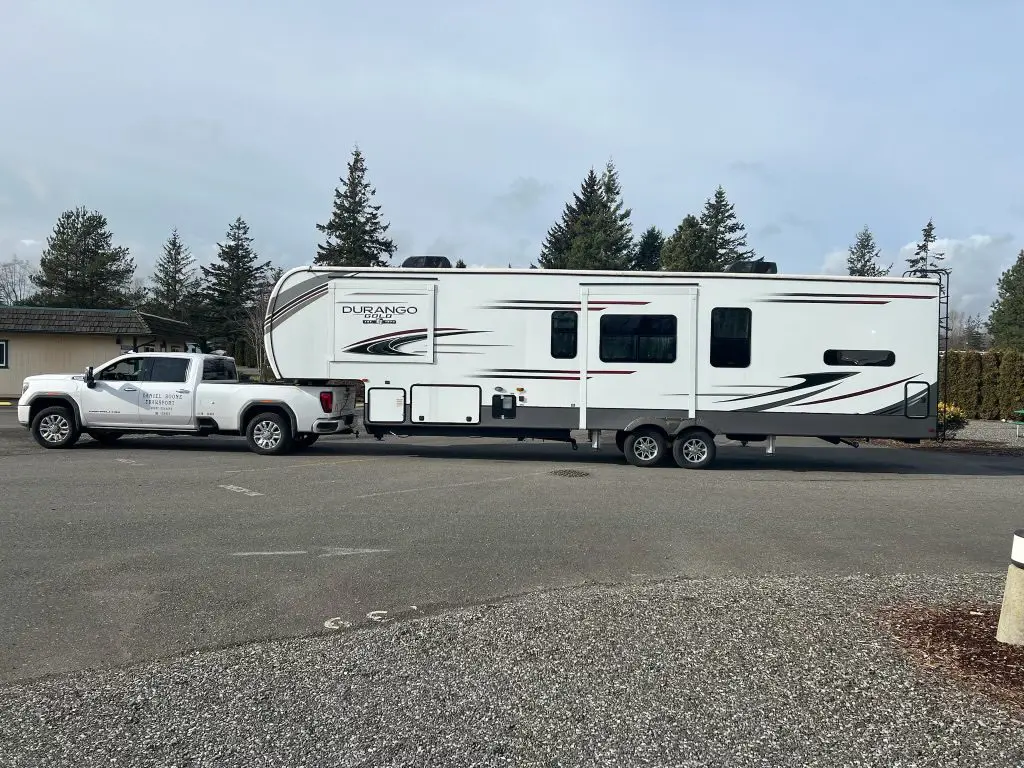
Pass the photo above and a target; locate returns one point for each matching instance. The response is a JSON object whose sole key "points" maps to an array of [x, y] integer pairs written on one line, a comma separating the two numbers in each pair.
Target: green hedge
{"points": [[985, 385]]}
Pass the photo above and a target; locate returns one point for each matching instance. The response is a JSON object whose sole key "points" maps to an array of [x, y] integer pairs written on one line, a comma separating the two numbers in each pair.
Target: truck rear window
{"points": [[219, 370]]}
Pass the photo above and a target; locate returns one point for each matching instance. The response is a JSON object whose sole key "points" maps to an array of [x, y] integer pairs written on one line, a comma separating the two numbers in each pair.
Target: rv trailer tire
{"points": [[620, 441], [305, 440], [269, 433], [645, 447], [694, 449]]}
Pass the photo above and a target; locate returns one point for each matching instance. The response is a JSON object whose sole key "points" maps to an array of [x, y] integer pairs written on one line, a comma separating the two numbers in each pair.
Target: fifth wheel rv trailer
{"points": [[665, 360]]}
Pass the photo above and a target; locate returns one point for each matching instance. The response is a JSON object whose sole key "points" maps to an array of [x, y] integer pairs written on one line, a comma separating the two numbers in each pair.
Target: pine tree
{"points": [[924, 257], [356, 235], [460, 264], [594, 232], [82, 268], [862, 260], [232, 285], [1006, 322], [620, 245], [726, 237], [648, 251], [174, 280], [687, 249]]}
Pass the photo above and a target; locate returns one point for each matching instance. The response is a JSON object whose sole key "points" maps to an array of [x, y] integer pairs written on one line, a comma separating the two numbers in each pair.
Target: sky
{"points": [[478, 121]]}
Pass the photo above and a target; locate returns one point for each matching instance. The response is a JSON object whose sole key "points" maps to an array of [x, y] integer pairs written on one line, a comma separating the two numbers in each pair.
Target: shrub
{"points": [[952, 418], [964, 387], [1011, 383], [988, 406]]}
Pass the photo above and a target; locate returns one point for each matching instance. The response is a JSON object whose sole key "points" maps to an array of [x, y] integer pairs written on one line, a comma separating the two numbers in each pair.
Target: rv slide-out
{"points": [[664, 360]]}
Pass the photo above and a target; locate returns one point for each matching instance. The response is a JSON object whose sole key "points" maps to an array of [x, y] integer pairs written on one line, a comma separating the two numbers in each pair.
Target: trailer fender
{"points": [[686, 424], [648, 421]]}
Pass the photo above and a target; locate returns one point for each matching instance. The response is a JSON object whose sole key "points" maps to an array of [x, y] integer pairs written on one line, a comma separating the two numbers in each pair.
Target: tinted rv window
{"points": [[730, 337], [880, 357], [218, 369], [638, 338], [563, 335]]}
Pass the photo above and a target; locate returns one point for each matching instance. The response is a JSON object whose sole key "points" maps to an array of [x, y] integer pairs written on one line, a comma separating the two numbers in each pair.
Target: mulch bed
{"points": [[977, 447], [960, 642]]}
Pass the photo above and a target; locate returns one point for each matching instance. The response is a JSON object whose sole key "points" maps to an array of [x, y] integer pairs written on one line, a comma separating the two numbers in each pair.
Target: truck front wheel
{"points": [[269, 433], [55, 427]]}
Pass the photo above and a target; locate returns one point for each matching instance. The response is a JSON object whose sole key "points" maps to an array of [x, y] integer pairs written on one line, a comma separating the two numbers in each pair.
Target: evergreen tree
{"points": [[82, 268], [356, 235], [174, 280], [863, 256], [687, 249], [726, 237], [619, 236], [593, 232], [924, 257], [648, 251], [460, 264], [232, 286], [1006, 322]]}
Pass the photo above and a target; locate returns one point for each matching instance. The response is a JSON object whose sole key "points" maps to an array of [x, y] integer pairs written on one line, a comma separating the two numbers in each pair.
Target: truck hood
{"points": [[55, 377]]}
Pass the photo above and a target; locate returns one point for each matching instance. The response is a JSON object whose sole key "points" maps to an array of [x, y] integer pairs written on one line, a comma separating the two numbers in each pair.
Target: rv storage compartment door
{"points": [[385, 405], [392, 324], [444, 404]]}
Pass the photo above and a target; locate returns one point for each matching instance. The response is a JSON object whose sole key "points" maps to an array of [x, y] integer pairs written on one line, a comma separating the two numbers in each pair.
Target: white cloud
{"points": [[28, 243], [976, 262], [834, 263]]}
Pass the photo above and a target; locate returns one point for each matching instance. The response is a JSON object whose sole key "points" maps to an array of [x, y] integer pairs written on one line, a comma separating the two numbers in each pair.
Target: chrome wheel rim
{"points": [[695, 450], [645, 448], [267, 435], [55, 428]]}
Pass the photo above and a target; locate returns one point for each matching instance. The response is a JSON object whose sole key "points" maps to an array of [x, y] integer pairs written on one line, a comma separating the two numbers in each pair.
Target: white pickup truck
{"points": [[182, 394]]}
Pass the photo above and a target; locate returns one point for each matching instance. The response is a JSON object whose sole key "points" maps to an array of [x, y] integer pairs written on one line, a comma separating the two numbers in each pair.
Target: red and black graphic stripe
{"points": [[544, 374], [840, 298], [861, 392]]}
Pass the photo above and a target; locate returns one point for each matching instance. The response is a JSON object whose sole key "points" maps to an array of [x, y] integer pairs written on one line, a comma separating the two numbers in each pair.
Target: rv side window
{"points": [[638, 338], [730, 337], [563, 335], [879, 357]]}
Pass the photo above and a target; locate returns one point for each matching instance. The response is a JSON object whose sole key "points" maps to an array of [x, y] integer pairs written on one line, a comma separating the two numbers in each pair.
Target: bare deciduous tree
{"points": [[15, 282]]}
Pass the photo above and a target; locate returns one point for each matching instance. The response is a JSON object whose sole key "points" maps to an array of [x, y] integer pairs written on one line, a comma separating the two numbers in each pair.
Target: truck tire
{"points": [[694, 449], [269, 433], [305, 440], [646, 447], [55, 427]]}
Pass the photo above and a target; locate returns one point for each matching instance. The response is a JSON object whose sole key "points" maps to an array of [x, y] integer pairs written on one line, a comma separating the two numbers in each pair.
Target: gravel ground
{"points": [[996, 431], [773, 672]]}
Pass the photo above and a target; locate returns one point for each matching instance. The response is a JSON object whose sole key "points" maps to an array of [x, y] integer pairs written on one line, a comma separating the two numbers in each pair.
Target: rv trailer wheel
{"points": [[645, 447], [694, 449]]}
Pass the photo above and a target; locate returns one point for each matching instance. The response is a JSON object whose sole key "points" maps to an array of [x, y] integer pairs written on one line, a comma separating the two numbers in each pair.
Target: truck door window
{"points": [[123, 370], [172, 370]]}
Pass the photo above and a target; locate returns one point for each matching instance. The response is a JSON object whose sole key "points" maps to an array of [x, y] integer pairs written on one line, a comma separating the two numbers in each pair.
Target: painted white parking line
{"points": [[341, 551], [240, 489], [271, 554], [295, 465], [451, 485], [337, 623], [132, 462]]}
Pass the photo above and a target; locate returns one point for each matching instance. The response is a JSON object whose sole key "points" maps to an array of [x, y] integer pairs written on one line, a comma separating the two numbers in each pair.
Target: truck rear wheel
{"points": [[55, 427], [269, 433]]}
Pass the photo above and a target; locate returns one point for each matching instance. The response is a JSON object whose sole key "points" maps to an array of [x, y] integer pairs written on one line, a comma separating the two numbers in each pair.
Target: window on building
{"points": [[172, 370], [730, 337], [3, 354], [872, 357], [564, 334], [219, 369], [638, 338]]}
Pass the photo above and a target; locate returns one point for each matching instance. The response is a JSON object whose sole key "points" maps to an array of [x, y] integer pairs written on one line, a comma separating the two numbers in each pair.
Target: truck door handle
{"points": [[129, 389], [184, 391]]}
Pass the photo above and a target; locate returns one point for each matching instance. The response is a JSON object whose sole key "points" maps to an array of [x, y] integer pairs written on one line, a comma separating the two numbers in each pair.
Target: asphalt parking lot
{"points": [[162, 545], [603, 582]]}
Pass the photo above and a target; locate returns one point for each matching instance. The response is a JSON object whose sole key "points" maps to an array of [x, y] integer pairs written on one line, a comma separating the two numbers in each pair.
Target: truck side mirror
{"points": [[90, 380]]}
